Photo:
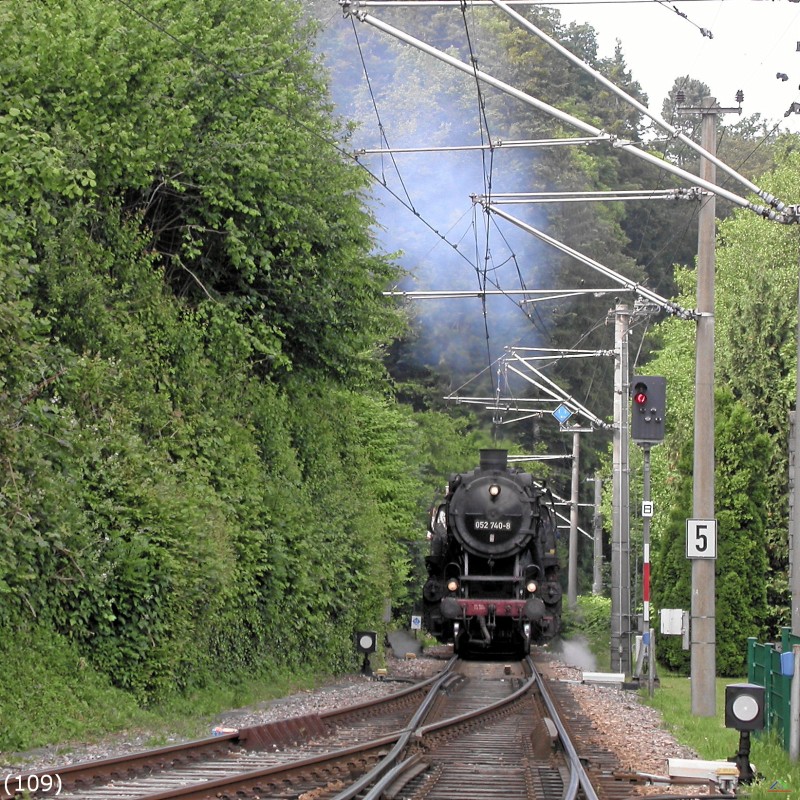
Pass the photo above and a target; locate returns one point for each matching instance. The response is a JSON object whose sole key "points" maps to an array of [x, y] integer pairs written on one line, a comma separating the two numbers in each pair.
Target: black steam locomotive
{"points": [[493, 573]]}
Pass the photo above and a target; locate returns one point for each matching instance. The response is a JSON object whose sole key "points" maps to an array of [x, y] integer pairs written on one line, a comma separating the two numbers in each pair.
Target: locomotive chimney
{"points": [[494, 459]]}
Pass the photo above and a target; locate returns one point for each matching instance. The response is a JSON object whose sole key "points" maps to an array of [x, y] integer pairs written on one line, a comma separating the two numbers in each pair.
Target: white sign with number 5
{"points": [[701, 538]]}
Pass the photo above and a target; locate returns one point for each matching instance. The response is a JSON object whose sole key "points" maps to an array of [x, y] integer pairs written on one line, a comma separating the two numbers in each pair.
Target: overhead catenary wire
{"points": [[238, 77], [243, 79], [776, 203], [640, 107], [381, 129], [705, 32], [781, 213], [473, 61]]}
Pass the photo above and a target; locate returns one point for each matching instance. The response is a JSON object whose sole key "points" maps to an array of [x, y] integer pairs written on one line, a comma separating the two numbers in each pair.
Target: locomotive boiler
{"points": [[493, 583]]}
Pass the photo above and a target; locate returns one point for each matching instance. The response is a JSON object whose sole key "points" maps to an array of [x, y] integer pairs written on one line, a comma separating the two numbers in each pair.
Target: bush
{"points": [[50, 692]]}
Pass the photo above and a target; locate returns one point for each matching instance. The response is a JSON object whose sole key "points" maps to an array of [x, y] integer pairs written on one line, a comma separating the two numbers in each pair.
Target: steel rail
{"points": [[578, 774], [94, 772], [252, 778], [578, 777], [389, 763], [498, 704]]}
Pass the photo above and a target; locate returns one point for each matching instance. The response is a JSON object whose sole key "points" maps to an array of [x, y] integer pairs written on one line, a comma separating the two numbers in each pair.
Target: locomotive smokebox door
{"points": [[491, 514]]}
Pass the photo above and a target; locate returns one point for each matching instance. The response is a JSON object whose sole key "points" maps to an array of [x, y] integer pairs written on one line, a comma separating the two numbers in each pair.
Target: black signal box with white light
{"points": [[366, 641], [648, 408], [744, 706], [744, 712]]}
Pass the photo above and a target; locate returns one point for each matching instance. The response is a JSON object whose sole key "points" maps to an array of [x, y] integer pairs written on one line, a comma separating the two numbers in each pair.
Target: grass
{"points": [[710, 739], [707, 736], [50, 695]]}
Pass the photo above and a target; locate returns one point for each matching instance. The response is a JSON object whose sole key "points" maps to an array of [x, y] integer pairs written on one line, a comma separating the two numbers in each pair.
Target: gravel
{"points": [[632, 731]]}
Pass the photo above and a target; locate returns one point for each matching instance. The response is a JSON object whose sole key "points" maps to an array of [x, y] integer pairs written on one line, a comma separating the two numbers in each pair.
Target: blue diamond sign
{"points": [[562, 414]]}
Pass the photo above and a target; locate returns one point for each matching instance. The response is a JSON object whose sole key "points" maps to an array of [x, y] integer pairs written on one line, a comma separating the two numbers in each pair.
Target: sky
{"points": [[753, 41]]}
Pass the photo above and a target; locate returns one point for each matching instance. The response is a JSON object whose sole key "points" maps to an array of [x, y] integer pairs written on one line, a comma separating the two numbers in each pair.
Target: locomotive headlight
{"points": [[452, 585], [531, 586], [494, 490]]}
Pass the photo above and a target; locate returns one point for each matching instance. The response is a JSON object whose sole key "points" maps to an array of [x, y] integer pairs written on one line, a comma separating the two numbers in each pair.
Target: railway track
{"points": [[477, 730]]}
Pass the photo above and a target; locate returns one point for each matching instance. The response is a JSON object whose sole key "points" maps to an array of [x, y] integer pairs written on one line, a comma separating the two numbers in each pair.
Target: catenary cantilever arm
{"points": [[788, 215]]}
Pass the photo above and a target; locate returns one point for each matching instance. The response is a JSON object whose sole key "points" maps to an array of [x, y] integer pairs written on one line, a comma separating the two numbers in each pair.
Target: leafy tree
{"points": [[755, 360], [208, 124], [757, 356], [167, 260]]}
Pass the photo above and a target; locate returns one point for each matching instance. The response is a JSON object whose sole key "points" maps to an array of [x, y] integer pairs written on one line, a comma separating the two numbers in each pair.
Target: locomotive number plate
{"points": [[492, 525]]}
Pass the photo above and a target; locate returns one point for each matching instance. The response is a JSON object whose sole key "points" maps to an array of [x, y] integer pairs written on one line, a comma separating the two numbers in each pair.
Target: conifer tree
{"points": [[742, 458]]}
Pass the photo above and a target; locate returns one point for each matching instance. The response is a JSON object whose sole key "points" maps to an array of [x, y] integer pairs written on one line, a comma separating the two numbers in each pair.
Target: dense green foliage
{"points": [[757, 356], [742, 461], [756, 317], [160, 501], [200, 471], [50, 690], [209, 125]]}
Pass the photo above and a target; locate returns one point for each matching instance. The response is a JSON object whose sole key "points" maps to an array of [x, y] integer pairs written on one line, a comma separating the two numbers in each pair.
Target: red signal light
{"points": [[649, 400], [640, 394]]}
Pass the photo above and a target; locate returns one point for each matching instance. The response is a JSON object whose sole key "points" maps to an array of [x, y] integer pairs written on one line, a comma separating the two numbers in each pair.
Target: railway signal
{"points": [[366, 643], [745, 711], [649, 400], [649, 395]]}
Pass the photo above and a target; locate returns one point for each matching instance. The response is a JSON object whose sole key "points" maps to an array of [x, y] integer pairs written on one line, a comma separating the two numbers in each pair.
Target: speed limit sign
{"points": [[701, 538]]}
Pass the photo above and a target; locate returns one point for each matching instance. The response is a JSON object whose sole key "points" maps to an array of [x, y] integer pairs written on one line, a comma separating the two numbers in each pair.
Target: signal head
{"points": [[649, 405]]}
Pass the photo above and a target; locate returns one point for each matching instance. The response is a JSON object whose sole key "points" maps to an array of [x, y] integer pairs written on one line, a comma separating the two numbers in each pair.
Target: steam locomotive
{"points": [[493, 583]]}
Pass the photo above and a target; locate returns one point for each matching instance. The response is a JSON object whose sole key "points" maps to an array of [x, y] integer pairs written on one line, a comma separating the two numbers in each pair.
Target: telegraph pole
{"points": [[703, 610], [703, 622], [620, 525], [597, 561], [572, 569]]}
